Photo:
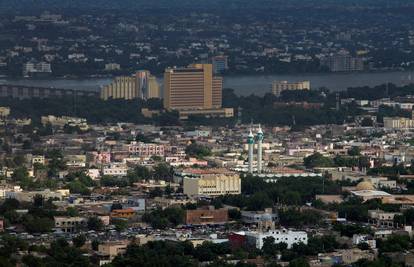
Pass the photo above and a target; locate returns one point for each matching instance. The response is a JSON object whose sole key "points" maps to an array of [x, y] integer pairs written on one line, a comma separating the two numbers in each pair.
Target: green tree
{"points": [[79, 240], [94, 223], [354, 151], [34, 224], [259, 201], [300, 262], [317, 160], [197, 150], [163, 171]]}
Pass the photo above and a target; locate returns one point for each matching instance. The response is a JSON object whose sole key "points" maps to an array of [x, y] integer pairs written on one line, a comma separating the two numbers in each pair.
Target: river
{"points": [[245, 84]]}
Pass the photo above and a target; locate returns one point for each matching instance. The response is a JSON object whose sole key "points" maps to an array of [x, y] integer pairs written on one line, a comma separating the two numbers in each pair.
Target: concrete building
{"points": [[65, 120], [398, 123], [279, 86], [29, 92], [111, 249], [208, 113], [27, 196], [207, 215], [140, 85], [343, 62], [68, 224], [212, 185], [192, 88], [112, 66], [38, 159], [280, 235], [35, 69], [123, 213], [146, 149], [350, 256], [220, 64], [265, 219], [123, 87], [115, 169], [382, 218]]}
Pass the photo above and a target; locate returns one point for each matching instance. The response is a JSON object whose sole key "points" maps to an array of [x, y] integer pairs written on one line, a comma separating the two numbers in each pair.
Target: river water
{"points": [[245, 84]]}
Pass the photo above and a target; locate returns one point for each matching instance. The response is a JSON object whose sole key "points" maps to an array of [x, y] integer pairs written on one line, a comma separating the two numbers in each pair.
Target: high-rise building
{"points": [[141, 85], [343, 62], [121, 87], [153, 88], [220, 64], [279, 86], [192, 88], [35, 69]]}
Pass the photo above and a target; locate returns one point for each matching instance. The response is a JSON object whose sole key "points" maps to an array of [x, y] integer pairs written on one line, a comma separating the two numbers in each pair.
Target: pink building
{"points": [[146, 150], [99, 158]]}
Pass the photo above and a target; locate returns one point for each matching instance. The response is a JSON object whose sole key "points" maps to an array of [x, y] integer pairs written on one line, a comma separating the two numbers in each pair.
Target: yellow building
{"points": [[279, 86], [192, 88], [212, 185], [112, 249], [140, 85], [398, 123]]}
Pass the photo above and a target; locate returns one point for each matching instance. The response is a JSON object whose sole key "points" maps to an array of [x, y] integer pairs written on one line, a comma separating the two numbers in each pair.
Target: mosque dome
{"points": [[364, 186]]}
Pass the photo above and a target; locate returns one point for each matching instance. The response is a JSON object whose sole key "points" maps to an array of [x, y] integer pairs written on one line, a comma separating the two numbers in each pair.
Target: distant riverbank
{"points": [[245, 84]]}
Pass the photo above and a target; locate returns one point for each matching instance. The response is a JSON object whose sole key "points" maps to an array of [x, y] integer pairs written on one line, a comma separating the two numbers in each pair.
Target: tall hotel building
{"points": [[192, 88], [140, 85]]}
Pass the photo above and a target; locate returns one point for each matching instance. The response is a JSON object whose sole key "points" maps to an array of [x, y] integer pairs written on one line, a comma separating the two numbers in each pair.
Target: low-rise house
{"points": [[123, 213], [353, 255], [266, 218], [280, 236], [207, 215], [115, 169], [28, 196], [360, 239], [382, 218], [68, 224], [111, 249]]}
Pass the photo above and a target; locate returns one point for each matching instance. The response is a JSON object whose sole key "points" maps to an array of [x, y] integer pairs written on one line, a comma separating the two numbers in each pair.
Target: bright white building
{"points": [[115, 169], [280, 236]]}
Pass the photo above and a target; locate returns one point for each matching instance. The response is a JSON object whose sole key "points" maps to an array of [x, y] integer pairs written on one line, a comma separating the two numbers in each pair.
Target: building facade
{"points": [[220, 64], [212, 185], [68, 224], [206, 216], [193, 87], [398, 123], [279, 86], [146, 150], [280, 236], [343, 62], [140, 85]]}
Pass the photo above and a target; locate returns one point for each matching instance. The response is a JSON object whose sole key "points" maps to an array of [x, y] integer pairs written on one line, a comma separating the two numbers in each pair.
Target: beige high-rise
{"points": [[140, 85], [193, 87]]}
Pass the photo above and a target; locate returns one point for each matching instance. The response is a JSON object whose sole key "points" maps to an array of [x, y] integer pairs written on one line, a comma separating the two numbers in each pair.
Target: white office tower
{"points": [[250, 142], [259, 138]]}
